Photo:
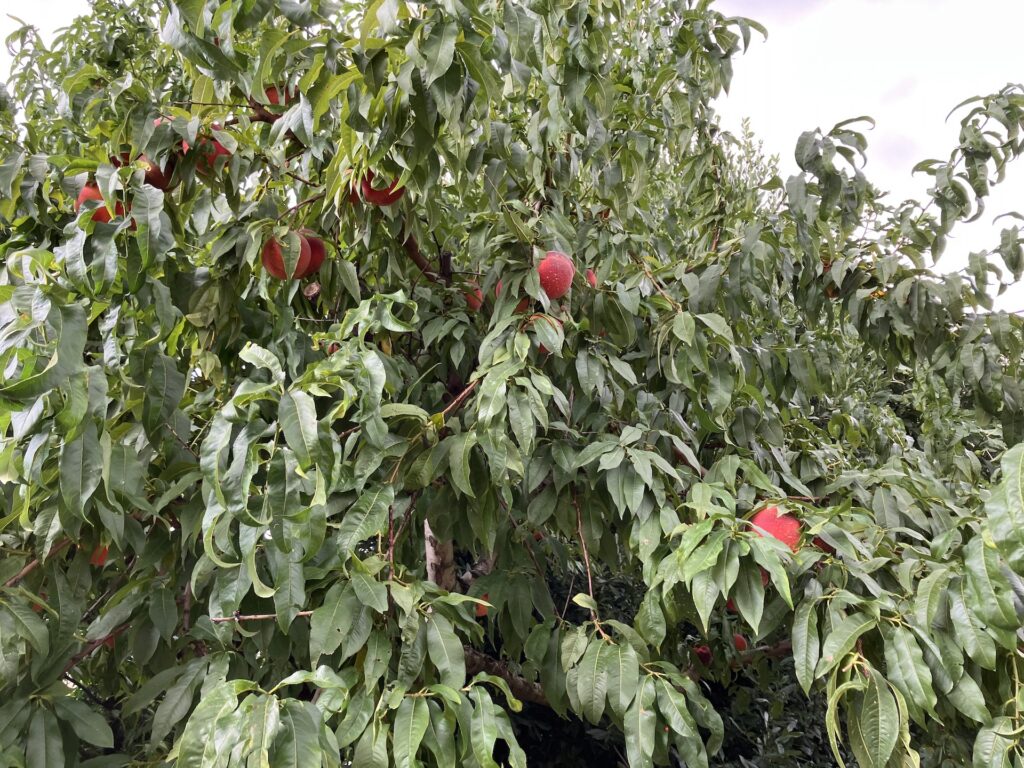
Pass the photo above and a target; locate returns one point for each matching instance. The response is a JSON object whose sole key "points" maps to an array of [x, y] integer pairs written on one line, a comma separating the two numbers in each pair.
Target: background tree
{"points": [[422, 503]]}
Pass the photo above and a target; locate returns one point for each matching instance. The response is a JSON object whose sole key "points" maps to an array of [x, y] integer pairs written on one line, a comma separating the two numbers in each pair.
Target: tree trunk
{"points": [[440, 559]]}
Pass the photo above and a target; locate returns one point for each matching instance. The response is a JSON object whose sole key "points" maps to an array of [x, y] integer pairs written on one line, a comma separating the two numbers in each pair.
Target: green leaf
{"points": [[841, 639], [297, 413], [81, 462], [370, 592], [70, 327], [163, 612], [165, 386], [806, 643], [366, 517], [623, 677], [969, 632], [330, 622], [196, 748], [638, 726], [45, 748], [29, 625], [879, 721], [967, 697], [907, 669], [993, 744], [461, 446], [592, 680], [372, 749], [87, 724], [483, 727], [445, 651], [297, 740], [438, 50], [1005, 509], [411, 721]]}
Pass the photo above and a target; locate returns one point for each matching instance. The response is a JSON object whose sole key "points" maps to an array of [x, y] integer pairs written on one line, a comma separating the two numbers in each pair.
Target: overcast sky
{"points": [[904, 62]]}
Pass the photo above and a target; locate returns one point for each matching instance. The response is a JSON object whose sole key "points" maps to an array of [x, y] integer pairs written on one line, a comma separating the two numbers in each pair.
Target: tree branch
{"points": [[520, 687], [59, 547], [79, 657], [412, 248]]}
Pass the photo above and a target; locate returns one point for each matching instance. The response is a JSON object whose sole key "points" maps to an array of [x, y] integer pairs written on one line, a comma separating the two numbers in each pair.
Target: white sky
{"points": [[904, 62]]}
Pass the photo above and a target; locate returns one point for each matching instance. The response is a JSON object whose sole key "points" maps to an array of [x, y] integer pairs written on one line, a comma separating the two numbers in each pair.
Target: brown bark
{"points": [[440, 559], [521, 689]]}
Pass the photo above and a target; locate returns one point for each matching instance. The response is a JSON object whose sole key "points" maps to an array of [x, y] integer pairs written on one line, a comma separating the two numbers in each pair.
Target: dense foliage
{"points": [[409, 509]]}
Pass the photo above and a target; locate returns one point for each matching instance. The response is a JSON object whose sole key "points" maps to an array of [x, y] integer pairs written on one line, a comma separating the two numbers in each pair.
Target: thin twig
{"points": [[253, 617], [586, 562], [458, 401], [87, 651], [89, 693], [60, 546], [300, 204], [307, 182]]}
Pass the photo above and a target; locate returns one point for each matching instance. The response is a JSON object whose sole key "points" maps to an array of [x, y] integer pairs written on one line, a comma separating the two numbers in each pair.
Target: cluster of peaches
{"points": [[556, 271]]}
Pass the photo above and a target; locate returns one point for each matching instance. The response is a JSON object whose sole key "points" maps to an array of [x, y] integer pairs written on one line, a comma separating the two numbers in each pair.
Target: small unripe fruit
{"points": [[783, 527], [740, 642], [592, 278], [273, 259], [556, 271]]}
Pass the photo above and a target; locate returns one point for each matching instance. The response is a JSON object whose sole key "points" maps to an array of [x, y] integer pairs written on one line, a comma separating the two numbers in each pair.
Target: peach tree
{"points": [[436, 383]]}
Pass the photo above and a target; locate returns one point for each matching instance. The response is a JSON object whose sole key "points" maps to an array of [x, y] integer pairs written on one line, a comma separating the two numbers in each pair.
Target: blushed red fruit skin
{"points": [[474, 297], [481, 610], [98, 557], [274, 97], [101, 215], [522, 306], [556, 271], [158, 177], [704, 654], [381, 197], [824, 546], [273, 259], [209, 150], [592, 278], [740, 642], [317, 252], [783, 527]]}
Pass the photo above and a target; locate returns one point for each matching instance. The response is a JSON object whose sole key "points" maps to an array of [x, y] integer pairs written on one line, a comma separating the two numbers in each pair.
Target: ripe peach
{"points": [[556, 271]]}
